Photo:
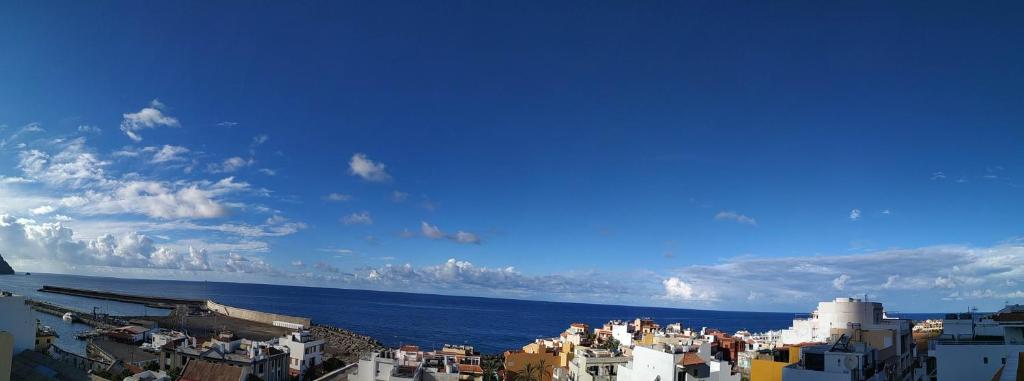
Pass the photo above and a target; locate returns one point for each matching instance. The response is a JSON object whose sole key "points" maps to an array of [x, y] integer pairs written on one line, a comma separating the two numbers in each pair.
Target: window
{"points": [[984, 360], [1003, 360]]}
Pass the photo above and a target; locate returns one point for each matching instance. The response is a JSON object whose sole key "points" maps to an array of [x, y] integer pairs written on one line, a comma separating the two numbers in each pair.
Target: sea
{"points": [[491, 325]]}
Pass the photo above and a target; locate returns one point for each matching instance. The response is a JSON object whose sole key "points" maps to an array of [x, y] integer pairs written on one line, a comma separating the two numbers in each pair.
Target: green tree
{"points": [[611, 344], [491, 366], [533, 372]]}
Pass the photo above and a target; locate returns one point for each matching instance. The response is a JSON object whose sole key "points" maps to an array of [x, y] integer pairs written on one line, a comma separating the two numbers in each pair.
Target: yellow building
{"points": [[769, 369]]}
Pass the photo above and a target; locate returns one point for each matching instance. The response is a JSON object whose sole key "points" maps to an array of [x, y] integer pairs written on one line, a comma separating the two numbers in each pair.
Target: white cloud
{"points": [[88, 129], [73, 166], [169, 153], [15, 180], [434, 232], [677, 289], [464, 277], [360, 218], [268, 171], [840, 282], [855, 214], [938, 176], [230, 164], [227, 124], [338, 197], [158, 199], [466, 237], [26, 129], [367, 169], [930, 272], [149, 117], [733, 216], [299, 264], [242, 264], [43, 210], [54, 243], [430, 231]]}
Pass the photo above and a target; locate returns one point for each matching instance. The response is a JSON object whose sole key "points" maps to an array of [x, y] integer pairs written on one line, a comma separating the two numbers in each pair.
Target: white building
{"points": [[975, 346], [16, 318], [408, 363], [589, 364], [661, 362], [842, 361], [305, 351], [622, 333], [891, 337]]}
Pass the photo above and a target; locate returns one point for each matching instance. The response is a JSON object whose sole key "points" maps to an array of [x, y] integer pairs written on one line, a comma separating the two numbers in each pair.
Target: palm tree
{"points": [[491, 367]]}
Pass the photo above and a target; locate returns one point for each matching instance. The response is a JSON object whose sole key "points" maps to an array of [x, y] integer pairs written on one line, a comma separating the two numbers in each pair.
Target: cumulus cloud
{"points": [[367, 169], [158, 199], [360, 218], [677, 289], [55, 243], [840, 282], [733, 216], [148, 117]]}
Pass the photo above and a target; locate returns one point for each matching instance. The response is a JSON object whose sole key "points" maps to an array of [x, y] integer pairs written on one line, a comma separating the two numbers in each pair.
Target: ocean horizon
{"points": [[491, 325]]}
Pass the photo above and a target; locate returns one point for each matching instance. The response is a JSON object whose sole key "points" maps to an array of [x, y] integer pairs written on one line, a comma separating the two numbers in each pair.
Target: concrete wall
{"points": [[256, 316], [16, 318]]}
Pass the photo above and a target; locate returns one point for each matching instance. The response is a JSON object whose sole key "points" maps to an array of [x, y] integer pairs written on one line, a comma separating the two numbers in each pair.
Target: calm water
{"points": [[491, 325]]}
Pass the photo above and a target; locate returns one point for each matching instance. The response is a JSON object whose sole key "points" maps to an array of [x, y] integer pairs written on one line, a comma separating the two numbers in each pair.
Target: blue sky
{"points": [[706, 155]]}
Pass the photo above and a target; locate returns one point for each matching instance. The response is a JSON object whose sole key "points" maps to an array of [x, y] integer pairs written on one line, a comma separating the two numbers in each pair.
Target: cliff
{"points": [[5, 269]]}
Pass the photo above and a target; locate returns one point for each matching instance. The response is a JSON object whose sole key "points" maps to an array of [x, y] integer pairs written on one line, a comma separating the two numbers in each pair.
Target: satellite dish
{"points": [[851, 363]]}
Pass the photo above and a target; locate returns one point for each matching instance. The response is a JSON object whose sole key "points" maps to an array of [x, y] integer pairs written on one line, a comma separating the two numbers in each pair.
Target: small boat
{"points": [[70, 316]]}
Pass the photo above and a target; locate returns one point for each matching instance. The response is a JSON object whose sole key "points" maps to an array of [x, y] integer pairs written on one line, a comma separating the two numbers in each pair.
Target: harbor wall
{"points": [[256, 316]]}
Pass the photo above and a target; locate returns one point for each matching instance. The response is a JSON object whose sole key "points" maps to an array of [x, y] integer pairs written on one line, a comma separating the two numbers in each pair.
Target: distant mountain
{"points": [[5, 269]]}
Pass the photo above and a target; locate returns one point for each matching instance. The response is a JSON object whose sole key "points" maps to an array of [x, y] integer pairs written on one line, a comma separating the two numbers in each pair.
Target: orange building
{"points": [[544, 363]]}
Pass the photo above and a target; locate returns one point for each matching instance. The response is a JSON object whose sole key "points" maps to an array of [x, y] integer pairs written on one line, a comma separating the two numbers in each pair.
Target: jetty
{"points": [[100, 321], [149, 301]]}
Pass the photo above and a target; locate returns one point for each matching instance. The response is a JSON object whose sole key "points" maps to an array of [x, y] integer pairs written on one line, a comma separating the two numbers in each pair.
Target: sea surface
{"points": [[491, 325]]}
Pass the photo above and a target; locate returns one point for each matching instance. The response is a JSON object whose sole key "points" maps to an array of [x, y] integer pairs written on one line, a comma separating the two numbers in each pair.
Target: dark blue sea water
{"points": [[491, 325]]}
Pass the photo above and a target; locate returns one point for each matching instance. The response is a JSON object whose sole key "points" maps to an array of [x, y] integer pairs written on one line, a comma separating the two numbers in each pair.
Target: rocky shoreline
{"points": [[343, 344]]}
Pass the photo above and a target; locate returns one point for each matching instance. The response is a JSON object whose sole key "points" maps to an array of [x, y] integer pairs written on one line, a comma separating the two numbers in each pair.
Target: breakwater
{"points": [[255, 316], [102, 322], [149, 301]]}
